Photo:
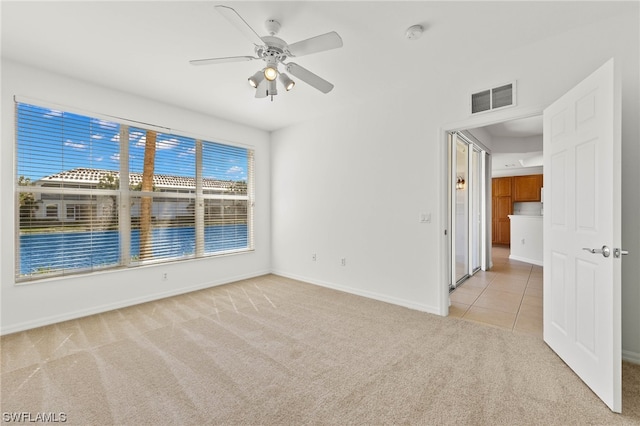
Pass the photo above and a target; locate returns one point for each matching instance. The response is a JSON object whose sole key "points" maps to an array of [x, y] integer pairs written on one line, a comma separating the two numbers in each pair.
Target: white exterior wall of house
{"points": [[57, 210], [390, 154], [51, 300], [60, 210], [51, 207]]}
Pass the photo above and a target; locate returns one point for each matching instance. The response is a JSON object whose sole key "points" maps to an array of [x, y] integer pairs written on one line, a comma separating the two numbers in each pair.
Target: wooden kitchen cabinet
{"points": [[505, 192], [502, 187], [502, 207], [527, 188]]}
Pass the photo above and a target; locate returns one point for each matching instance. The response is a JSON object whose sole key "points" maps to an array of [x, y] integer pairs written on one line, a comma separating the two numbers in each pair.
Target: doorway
{"points": [[584, 329], [448, 180], [507, 292]]}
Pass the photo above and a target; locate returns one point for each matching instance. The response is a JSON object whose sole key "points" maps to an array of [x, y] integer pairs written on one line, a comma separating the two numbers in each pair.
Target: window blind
{"points": [[67, 207], [227, 175], [162, 222], [71, 182]]}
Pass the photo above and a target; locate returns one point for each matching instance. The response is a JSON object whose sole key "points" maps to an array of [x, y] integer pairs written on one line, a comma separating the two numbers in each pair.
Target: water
{"points": [[54, 252]]}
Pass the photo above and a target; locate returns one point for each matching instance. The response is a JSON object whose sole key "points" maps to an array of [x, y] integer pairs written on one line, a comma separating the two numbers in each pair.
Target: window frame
{"points": [[124, 195]]}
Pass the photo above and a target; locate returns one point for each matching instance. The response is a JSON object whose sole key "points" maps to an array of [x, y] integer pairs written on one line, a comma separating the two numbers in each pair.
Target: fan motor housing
{"points": [[276, 47]]}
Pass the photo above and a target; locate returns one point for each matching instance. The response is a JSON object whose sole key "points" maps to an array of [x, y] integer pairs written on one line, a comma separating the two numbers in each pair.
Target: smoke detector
{"points": [[414, 32]]}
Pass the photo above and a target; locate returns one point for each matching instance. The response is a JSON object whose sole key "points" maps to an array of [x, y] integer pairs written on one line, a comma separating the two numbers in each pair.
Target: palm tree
{"points": [[146, 248], [109, 215], [28, 203]]}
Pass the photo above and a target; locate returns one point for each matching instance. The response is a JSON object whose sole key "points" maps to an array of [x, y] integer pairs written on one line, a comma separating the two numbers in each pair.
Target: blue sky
{"points": [[51, 141]]}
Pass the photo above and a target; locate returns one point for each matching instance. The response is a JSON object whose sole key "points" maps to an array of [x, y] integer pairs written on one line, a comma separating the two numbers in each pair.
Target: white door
{"points": [[582, 301]]}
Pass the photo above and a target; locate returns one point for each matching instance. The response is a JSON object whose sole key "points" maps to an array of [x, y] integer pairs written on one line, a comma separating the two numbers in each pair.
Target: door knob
{"points": [[605, 251]]}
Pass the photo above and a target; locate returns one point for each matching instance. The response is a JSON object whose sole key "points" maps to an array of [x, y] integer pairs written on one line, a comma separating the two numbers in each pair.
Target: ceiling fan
{"points": [[274, 51]]}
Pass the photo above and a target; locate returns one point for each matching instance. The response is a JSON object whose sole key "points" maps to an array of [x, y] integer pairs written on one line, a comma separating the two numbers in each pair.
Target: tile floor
{"points": [[508, 296]]}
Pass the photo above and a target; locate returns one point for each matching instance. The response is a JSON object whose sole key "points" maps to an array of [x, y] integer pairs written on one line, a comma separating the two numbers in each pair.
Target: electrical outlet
{"points": [[314, 257], [343, 261], [165, 276]]}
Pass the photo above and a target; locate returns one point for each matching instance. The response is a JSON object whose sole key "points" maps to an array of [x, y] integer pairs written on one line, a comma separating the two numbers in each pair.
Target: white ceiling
{"points": [[521, 152], [521, 128], [144, 47]]}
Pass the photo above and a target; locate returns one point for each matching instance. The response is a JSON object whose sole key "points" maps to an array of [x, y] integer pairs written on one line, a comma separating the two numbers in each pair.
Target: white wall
{"points": [[353, 183], [526, 239], [29, 305]]}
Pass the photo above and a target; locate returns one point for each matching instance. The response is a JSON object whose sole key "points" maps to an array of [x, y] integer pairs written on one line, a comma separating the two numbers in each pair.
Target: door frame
{"points": [[453, 211], [443, 133], [480, 169]]}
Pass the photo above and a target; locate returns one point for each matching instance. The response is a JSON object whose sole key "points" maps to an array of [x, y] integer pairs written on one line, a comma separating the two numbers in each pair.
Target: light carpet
{"points": [[272, 350]]}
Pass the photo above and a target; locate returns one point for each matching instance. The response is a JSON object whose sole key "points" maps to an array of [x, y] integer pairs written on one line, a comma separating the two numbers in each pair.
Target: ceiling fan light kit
{"points": [[274, 51], [286, 81], [256, 79], [271, 72]]}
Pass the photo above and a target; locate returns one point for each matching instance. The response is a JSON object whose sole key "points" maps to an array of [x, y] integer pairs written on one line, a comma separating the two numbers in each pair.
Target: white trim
{"points": [[88, 176], [364, 293], [199, 207], [486, 212], [466, 134], [526, 260], [478, 120], [498, 116], [453, 227], [470, 184], [40, 322], [444, 222], [629, 356], [124, 213]]}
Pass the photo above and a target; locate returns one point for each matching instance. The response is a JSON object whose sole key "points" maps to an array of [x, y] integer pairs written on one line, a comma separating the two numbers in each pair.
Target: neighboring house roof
{"points": [[92, 177]]}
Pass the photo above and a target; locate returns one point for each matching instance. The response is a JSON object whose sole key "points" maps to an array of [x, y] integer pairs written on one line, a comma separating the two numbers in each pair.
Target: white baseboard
{"points": [[364, 293], [40, 322], [526, 260], [629, 356]]}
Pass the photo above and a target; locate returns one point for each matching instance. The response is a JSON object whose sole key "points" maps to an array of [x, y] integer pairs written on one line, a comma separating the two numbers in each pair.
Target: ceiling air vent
{"points": [[490, 99]]}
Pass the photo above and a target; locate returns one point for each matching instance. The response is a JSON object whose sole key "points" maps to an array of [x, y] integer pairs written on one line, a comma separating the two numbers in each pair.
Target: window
{"points": [[96, 194], [52, 211]]}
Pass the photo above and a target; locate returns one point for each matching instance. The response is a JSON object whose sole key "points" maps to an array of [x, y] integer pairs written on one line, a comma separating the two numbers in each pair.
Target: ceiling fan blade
{"points": [[308, 77], [316, 44], [211, 61], [261, 90], [234, 17]]}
